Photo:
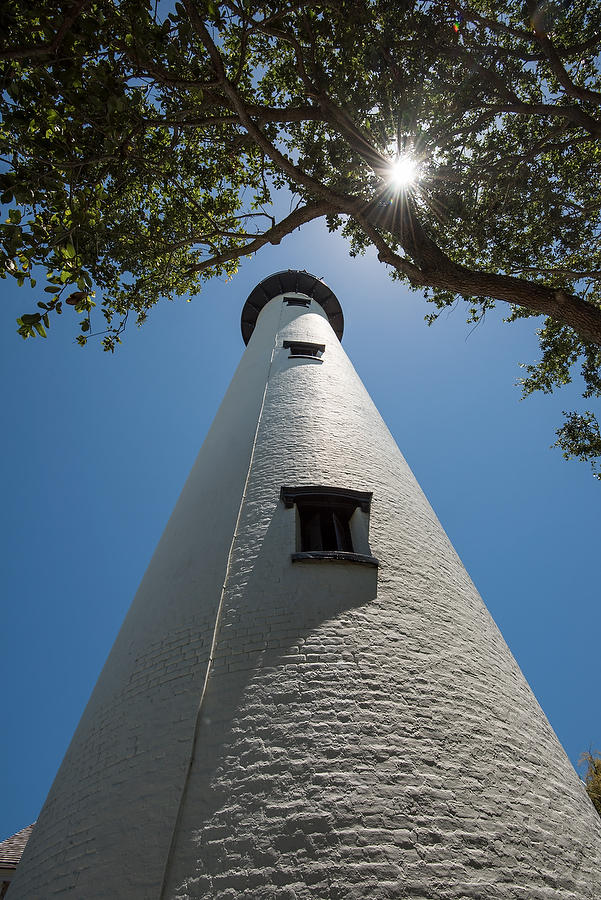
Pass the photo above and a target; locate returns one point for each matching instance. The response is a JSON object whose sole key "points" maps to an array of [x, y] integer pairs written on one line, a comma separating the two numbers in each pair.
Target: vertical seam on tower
{"points": [[210, 660]]}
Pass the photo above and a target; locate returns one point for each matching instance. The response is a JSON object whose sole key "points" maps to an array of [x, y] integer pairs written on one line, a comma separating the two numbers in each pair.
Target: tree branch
{"points": [[262, 113], [438, 270], [571, 113], [53, 46], [339, 203], [558, 69], [272, 236]]}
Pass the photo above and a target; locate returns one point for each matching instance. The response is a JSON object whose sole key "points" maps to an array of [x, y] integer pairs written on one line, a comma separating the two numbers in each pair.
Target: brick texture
{"points": [[364, 733]]}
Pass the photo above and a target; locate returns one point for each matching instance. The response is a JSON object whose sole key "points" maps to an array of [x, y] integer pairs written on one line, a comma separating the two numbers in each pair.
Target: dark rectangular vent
{"points": [[304, 349], [297, 301]]}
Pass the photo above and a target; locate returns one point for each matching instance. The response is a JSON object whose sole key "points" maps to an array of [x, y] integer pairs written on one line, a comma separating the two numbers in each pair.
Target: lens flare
{"points": [[404, 172]]}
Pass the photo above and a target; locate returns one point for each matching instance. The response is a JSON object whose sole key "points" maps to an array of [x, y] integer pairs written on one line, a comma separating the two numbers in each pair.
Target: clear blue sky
{"points": [[97, 447]]}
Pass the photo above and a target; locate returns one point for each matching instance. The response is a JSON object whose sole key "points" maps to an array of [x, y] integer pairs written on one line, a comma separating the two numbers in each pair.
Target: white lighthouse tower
{"points": [[308, 698]]}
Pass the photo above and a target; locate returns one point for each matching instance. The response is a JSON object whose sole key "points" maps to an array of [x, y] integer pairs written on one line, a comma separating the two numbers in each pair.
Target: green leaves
{"points": [[580, 438], [30, 325], [30, 319], [144, 156], [592, 777]]}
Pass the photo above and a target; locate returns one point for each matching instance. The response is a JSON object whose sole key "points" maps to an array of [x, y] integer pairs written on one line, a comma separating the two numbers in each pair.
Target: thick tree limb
{"points": [[571, 113], [262, 114], [437, 270]]}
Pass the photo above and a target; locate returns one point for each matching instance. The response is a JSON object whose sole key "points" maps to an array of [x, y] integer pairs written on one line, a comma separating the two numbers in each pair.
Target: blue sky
{"points": [[96, 448]]}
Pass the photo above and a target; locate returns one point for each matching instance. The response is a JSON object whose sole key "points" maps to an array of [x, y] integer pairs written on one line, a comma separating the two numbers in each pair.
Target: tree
{"points": [[144, 154], [592, 777]]}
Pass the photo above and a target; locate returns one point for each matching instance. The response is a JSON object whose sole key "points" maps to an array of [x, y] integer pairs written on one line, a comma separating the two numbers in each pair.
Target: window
{"points": [[304, 349], [325, 527], [297, 301], [332, 523]]}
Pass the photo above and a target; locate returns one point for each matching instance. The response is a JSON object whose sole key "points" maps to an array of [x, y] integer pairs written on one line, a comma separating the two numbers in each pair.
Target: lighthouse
{"points": [[308, 697]]}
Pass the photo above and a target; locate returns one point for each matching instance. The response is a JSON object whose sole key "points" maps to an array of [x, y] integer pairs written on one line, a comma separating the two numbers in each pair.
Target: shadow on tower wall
{"points": [[281, 714]]}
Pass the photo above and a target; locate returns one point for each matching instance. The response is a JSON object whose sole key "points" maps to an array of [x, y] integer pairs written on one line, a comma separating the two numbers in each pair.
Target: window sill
{"points": [[335, 556], [304, 356]]}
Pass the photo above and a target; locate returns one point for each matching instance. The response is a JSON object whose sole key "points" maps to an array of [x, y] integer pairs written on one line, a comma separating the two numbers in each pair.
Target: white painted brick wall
{"points": [[364, 733]]}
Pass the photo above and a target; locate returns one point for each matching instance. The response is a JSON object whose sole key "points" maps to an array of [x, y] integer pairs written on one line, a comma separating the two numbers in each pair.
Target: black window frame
{"points": [[304, 349], [324, 517]]}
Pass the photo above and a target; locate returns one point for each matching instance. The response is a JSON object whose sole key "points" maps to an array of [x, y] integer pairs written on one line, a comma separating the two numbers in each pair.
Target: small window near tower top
{"points": [[331, 523], [297, 301], [304, 349]]}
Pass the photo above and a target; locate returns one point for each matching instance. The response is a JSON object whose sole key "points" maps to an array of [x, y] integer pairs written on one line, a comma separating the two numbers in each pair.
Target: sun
{"points": [[404, 172]]}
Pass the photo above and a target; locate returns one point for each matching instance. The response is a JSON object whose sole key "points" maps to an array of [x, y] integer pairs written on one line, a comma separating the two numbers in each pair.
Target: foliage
{"points": [[579, 437], [592, 777], [143, 153]]}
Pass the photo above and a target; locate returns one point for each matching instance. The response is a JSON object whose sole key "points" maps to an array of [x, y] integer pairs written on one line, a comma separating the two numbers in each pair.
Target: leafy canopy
{"points": [[142, 151]]}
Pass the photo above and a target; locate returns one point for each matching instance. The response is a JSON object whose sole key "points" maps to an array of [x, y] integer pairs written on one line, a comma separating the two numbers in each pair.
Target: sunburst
{"points": [[404, 172]]}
